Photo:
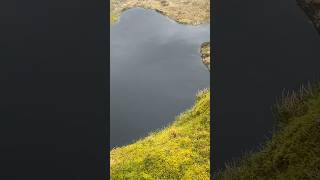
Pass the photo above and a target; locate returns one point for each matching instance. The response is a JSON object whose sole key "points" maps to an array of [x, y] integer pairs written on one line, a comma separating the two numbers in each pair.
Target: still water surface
{"points": [[156, 71]]}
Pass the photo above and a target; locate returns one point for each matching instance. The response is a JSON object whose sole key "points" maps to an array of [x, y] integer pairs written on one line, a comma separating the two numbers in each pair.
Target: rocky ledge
{"points": [[205, 54], [312, 9]]}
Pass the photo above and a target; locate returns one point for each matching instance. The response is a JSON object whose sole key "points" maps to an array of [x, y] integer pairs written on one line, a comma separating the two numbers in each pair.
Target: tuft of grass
{"points": [[179, 151], [293, 152], [294, 104]]}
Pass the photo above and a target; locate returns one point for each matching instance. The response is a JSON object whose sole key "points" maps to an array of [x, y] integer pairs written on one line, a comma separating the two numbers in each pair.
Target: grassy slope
{"points": [[180, 151], [294, 150]]}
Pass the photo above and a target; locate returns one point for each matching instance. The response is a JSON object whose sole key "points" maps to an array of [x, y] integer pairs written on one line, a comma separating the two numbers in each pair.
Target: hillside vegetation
{"points": [[179, 151], [294, 150], [183, 11]]}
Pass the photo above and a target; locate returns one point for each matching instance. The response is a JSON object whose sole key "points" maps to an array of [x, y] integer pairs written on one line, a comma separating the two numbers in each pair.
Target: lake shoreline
{"points": [[180, 150], [162, 49], [167, 8], [193, 12], [185, 140]]}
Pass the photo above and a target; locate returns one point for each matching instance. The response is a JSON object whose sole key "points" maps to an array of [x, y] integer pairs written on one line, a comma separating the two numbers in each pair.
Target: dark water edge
{"points": [[156, 71], [263, 47]]}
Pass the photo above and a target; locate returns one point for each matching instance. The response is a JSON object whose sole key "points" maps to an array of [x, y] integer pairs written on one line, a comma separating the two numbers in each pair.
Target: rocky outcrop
{"points": [[205, 54], [312, 9]]}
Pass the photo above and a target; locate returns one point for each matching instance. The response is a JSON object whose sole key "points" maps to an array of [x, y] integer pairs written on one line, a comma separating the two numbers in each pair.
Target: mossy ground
{"points": [[294, 150], [180, 151]]}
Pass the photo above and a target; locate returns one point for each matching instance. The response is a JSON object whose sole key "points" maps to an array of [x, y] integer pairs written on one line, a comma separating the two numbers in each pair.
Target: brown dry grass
{"points": [[192, 12]]}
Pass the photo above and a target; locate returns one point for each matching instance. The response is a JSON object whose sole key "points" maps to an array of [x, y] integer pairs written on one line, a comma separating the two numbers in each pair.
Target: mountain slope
{"points": [[294, 150], [180, 151]]}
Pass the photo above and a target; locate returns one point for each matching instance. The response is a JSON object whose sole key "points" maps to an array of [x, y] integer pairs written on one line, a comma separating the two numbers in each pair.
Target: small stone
{"points": [[164, 3]]}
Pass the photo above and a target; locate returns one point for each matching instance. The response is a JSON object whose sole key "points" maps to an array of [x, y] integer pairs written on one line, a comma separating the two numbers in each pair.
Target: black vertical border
{"points": [[54, 89], [213, 18], [108, 90]]}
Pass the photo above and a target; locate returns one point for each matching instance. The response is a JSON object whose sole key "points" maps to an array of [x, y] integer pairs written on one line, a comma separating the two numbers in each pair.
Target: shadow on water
{"points": [[263, 47], [156, 71]]}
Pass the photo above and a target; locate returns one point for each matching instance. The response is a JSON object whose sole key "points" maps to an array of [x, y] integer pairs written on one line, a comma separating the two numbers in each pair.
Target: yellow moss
{"points": [[180, 151]]}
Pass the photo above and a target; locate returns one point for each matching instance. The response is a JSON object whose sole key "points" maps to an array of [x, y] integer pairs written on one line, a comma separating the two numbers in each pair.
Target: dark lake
{"points": [[262, 48], [156, 71]]}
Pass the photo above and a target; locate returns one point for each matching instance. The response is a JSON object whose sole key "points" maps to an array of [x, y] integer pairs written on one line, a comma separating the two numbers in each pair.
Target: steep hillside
{"points": [[179, 151], [294, 150]]}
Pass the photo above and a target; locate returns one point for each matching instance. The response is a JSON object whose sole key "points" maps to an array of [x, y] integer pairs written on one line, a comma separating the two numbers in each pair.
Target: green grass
{"points": [[179, 151], [294, 150]]}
